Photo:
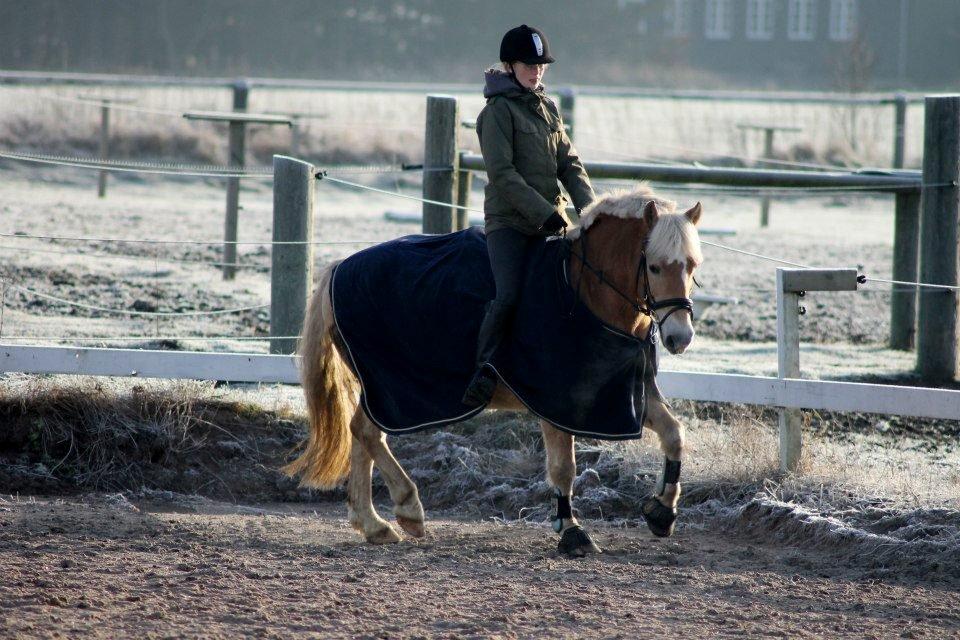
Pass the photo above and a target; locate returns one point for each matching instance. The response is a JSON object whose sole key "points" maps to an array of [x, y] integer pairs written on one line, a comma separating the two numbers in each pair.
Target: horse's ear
{"points": [[651, 213], [693, 213]]}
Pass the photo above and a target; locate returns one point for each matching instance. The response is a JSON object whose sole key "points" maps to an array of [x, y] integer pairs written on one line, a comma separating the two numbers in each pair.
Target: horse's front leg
{"points": [[561, 472], [660, 510]]}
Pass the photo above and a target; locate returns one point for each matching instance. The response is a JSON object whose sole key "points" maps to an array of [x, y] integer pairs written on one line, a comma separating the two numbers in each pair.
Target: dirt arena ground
{"points": [[112, 565], [100, 566]]}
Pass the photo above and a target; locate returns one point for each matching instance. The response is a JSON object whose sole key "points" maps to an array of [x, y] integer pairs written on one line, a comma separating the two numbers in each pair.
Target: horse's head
{"points": [[672, 255], [642, 258]]}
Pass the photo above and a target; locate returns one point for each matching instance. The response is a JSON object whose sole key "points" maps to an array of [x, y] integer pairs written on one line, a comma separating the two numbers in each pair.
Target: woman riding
{"points": [[525, 150]]}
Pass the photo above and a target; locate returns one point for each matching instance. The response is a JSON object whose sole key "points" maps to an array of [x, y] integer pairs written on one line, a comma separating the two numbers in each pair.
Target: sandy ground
{"points": [[101, 567]]}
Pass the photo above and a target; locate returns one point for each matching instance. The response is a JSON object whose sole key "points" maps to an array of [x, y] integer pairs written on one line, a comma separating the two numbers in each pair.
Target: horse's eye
{"points": [[654, 269]]}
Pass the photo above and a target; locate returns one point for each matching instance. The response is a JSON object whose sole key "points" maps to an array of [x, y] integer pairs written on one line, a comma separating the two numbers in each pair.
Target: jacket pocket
{"points": [[531, 148]]}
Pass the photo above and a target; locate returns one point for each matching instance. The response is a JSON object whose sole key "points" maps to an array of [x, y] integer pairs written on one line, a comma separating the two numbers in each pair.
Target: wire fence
{"points": [[220, 171]]}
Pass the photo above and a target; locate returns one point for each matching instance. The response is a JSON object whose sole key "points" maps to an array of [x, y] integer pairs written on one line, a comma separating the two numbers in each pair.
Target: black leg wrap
{"points": [[563, 511], [577, 543], [671, 471]]}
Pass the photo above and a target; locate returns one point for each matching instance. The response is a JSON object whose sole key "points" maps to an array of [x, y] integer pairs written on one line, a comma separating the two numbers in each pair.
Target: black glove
{"points": [[554, 224]]}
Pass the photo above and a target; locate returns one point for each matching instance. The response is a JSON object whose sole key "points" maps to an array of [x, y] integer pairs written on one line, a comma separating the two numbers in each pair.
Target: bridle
{"points": [[646, 304]]}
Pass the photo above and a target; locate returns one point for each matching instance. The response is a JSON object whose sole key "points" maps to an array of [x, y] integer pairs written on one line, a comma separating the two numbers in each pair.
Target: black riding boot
{"points": [[484, 381]]}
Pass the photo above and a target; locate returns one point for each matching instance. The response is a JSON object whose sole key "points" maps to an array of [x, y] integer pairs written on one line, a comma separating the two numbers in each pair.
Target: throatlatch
{"points": [[563, 511]]}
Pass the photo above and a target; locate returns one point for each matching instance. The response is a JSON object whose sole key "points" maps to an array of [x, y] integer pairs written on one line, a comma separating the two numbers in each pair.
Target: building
{"points": [[839, 44]]}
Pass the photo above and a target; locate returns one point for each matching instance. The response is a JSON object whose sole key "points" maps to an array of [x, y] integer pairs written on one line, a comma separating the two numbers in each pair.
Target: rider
{"points": [[525, 150]]}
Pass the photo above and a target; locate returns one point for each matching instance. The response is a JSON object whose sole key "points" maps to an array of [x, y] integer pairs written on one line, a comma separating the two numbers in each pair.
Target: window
{"points": [[801, 19], [843, 19], [759, 19], [719, 23], [679, 17]]}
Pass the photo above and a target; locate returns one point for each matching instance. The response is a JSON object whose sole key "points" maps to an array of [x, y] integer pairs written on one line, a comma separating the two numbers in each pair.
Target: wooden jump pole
{"points": [[937, 319], [241, 92], [291, 270], [440, 151]]}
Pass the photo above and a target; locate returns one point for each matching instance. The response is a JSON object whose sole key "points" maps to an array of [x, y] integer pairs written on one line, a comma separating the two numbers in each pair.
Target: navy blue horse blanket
{"points": [[409, 311]]}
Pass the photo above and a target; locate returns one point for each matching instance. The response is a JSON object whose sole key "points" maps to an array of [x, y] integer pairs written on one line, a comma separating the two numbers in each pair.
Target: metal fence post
{"points": [[937, 319], [291, 270], [440, 152], [241, 91]]}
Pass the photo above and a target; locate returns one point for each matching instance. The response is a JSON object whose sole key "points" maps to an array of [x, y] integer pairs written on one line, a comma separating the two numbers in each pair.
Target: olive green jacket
{"points": [[526, 149]]}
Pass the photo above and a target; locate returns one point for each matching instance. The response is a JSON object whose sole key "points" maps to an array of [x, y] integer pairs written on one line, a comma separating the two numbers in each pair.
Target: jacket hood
{"points": [[500, 83]]}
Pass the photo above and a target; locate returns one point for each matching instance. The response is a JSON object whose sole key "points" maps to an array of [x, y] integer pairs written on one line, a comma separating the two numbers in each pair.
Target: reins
{"points": [[647, 304]]}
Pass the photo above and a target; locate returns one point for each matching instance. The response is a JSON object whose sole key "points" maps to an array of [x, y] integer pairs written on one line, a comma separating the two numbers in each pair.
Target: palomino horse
{"points": [[639, 271]]}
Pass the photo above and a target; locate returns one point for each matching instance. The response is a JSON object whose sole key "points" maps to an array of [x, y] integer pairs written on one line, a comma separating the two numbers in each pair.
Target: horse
{"points": [[635, 274]]}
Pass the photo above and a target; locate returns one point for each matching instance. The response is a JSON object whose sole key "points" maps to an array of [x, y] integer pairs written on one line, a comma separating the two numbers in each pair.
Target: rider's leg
{"points": [[508, 250], [407, 507], [561, 472]]}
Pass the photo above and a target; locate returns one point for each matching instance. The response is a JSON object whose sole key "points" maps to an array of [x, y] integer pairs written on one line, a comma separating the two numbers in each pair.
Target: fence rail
{"points": [[282, 369]]}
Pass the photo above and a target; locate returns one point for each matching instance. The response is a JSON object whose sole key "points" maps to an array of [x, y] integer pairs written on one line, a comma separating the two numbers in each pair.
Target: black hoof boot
{"points": [[660, 519], [481, 388], [575, 542]]}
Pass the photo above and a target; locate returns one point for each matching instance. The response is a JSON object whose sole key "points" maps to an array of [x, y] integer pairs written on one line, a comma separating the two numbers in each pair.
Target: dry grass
{"points": [[349, 127], [64, 433]]}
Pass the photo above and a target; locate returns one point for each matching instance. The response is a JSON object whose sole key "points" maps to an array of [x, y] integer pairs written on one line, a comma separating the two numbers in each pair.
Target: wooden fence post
{"points": [[788, 366], [906, 244], [765, 200], [241, 91], [440, 151], [291, 270], [568, 101], [937, 320], [900, 130], [104, 146], [464, 185]]}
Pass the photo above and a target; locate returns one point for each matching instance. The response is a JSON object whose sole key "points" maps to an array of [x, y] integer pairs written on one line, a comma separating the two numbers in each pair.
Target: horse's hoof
{"points": [[575, 542], [386, 535], [660, 518], [413, 527]]}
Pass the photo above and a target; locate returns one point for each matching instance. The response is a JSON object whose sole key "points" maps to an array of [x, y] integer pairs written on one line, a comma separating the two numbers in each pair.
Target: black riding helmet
{"points": [[525, 44]]}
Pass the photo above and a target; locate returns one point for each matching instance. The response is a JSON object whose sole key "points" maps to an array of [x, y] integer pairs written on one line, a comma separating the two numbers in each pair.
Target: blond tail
{"points": [[331, 392]]}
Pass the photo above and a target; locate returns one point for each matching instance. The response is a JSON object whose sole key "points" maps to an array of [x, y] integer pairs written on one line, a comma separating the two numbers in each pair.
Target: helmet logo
{"points": [[537, 43]]}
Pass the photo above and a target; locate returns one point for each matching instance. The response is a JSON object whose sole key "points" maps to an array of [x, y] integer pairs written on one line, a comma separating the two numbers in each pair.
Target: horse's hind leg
{"points": [[363, 516], [660, 510], [406, 500], [561, 471]]}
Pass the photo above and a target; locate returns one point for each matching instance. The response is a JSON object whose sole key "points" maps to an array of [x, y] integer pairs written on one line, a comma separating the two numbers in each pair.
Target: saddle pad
{"points": [[409, 312]]}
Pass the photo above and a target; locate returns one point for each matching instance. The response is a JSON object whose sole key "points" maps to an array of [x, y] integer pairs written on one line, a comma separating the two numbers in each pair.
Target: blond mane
{"points": [[674, 238]]}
